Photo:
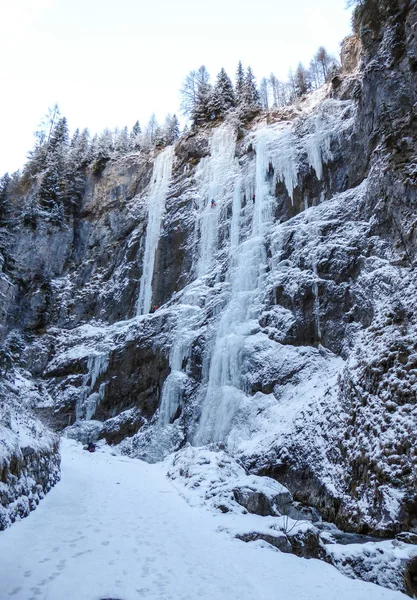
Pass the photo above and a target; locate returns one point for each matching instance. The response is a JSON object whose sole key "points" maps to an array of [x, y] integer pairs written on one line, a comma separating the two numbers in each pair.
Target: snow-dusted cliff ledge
{"points": [[29, 454]]}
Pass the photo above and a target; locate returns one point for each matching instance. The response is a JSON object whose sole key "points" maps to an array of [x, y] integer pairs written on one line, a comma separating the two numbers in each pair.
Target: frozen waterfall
{"points": [[224, 390], [88, 401], [156, 206], [215, 175], [231, 266]]}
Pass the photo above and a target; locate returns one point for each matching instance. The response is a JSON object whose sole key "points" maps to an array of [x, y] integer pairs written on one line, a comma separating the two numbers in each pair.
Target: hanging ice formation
{"points": [[156, 206], [232, 184], [224, 389], [87, 404], [215, 176], [278, 151], [216, 181]]}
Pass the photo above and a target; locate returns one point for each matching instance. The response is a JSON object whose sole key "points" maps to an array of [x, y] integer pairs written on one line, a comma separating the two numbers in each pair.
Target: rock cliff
{"points": [[285, 329]]}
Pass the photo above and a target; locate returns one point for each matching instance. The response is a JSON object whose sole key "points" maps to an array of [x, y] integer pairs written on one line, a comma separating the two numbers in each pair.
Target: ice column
{"points": [[156, 205], [174, 384], [87, 404], [215, 178], [224, 392]]}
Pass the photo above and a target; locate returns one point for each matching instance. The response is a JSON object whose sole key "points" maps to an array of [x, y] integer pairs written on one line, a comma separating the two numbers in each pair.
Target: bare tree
{"points": [[324, 62], [190, 88]]}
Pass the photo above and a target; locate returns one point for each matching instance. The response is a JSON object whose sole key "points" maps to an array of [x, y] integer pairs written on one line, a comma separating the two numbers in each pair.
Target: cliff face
{"points": [[286, 327]]}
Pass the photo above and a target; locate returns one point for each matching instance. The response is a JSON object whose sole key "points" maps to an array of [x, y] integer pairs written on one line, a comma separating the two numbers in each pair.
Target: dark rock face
{"points": [[258, 503], [411, 577]]}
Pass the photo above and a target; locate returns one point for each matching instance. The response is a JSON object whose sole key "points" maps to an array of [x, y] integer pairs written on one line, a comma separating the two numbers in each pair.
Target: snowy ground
{"points": [[117, 528]]}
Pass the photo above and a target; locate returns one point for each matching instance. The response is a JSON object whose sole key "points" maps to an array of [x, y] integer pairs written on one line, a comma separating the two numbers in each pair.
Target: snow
{"points": [[117, 528], [377, 561]]}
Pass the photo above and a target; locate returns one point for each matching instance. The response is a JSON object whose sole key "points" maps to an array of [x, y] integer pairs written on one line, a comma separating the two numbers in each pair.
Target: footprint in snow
{"points": [[61, 565]]}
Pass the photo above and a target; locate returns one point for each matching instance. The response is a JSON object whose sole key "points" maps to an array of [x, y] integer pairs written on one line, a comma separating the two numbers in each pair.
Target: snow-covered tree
{"points": [[102, 150], [202, 111], [52, 189], [301, 80], [122, 143], [59, 137], [240, 84], [136, 138], [136, 130], [79, 156], [250, 90], [190, 90], [223, 96], [151, 131], [188, 93], [4, 189], [171, 129], [250, 103]]}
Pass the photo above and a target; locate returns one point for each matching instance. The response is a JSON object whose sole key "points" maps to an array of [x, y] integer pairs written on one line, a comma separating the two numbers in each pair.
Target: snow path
{"points": [[116, 528]]}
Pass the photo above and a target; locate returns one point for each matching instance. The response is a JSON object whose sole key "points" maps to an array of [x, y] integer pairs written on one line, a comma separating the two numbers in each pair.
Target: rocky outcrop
{"points": [[350, 54], [29, 458]]}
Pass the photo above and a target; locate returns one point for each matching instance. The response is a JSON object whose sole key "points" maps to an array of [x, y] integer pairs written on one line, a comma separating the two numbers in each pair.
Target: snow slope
{"points": [[117, 528]]}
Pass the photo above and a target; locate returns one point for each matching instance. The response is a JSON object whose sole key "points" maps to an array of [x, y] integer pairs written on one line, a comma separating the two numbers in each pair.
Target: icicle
{"points": [[87, 404], [156, 205]]}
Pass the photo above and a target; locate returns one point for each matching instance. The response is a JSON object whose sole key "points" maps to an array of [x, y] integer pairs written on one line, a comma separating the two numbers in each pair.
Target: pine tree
{"points": [[160, 138], [75, 176], [240, 84], [136, 137], [202, 112], [59, 137], [37, 157], [136, 130], [175, 129], [301, 80], [250, 91], [122, 142], [171, 129], [52, 189], [84, 154], [103, 148], [4, 192], [223, 96]]}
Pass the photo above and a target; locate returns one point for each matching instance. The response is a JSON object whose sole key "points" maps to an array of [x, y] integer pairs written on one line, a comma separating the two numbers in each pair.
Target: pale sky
{"points": [[110, 62]]}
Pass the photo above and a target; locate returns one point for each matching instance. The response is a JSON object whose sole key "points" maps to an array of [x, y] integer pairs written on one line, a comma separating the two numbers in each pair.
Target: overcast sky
{"points": [[110, 62]]}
